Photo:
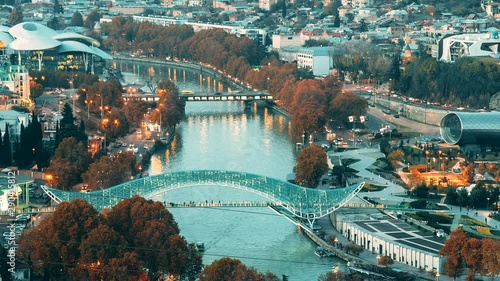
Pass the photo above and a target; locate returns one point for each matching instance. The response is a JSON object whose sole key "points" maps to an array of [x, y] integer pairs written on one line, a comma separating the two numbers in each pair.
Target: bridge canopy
{"points": [[304, 202]]}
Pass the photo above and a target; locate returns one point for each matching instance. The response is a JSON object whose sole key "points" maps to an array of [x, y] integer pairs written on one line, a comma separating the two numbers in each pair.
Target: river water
{"points": [[226, 136]]}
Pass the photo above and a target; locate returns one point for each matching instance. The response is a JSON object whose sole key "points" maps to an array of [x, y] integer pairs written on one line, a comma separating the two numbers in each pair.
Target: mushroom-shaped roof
{"points": [[74, 46], [31, 29], [4, 28], [75, 36], [101, 53], [34, 43], [6, 38], [32, 36]]}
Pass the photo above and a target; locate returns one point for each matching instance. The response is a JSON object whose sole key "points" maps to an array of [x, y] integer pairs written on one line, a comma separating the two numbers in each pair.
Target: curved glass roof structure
{"points": [[32, 36], [307, 203], [482, 128]]}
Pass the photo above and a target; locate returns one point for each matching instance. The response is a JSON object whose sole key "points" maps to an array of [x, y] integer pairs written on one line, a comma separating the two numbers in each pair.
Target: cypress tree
{"points": [[82, 134], [7, 148], [1, 148]]}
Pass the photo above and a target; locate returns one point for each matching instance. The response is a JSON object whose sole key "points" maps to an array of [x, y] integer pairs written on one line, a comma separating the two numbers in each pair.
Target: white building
{"points": [[285, 40], [318, 59], [358, 3], [14, 119], [454, 47], [266, 4], [385, 236]]}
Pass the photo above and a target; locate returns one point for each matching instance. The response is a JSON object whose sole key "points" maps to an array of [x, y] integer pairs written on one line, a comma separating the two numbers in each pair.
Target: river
{"points": [[226, 136]]}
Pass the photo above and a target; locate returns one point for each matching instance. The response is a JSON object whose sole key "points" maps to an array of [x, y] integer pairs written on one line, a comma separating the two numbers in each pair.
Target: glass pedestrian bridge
{"points": [[305, 203]]}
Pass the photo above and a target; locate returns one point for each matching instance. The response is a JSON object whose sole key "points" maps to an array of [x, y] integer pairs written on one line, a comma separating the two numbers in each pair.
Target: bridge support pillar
{"points": [[248, 104], [311, 222]]}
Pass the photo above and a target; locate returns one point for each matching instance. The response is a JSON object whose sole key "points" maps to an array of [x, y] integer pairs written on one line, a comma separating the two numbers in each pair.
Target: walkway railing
{"points": [[307, 203]]}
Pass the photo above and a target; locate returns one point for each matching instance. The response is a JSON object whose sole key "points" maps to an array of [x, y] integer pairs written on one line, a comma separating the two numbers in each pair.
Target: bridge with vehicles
{"points": [[305, 203], [188, 96]]}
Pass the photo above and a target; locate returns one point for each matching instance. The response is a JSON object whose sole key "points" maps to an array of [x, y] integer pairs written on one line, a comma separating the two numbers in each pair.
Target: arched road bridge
{"points": [[306, 203]]}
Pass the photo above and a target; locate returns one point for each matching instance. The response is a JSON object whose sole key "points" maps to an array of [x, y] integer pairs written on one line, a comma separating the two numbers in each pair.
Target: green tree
{"points": [[92, 18], [233, 269], [6, 153], [451, 196], [385, 147], [478, 195], [58, 9], [311, 166], [76, 19], [463, 197], [71, 159], [421, 191], [67, 115]]}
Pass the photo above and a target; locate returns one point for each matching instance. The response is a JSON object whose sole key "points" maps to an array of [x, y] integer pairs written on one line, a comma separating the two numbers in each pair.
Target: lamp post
{"points": [[437, 276], [488, 203]]}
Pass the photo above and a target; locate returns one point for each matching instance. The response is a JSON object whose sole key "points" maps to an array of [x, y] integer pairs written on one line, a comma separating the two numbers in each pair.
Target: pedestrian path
{"points": [[389, 195], [456, 221]]}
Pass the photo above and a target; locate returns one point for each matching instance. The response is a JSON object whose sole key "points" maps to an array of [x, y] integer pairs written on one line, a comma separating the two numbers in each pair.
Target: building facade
{"points": [[453, 47], [318, 59], [386, 236]]}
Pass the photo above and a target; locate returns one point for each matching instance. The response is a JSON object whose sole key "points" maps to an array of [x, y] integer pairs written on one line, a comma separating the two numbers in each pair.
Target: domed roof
{"points": [[74, 46], [31, 29], [32, 36], [75, 36]]}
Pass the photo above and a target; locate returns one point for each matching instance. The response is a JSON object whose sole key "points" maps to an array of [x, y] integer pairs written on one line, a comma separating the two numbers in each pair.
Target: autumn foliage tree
{"points": [[107, 172], [385, 260], [138, 239], [480, 256], [170, 107], [235, 270], [308, 108], [311, 166], [71, 159]]}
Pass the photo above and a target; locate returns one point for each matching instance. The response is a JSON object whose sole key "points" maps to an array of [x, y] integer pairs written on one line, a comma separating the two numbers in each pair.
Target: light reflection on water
{"points": [[226, 136]]}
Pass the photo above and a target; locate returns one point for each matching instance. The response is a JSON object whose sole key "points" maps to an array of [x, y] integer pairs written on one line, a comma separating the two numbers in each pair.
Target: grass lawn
{"points": [[372, 187], [466, 220]]}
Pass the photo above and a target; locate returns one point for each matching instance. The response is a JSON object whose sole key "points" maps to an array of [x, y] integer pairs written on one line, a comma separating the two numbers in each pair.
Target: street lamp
{"points": [[488, 203], [437, 276]]}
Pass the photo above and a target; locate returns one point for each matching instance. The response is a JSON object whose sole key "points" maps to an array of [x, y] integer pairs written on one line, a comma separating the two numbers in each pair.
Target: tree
{"points": [[107, 172], [385, 147], [396, 156], [451, 196], [490, 252], [134, 110], [452, 250], [421, 191], [347, 104], [6, 152], [472, 254], [58, 9], [146, 224], [53, 246], [233, 269], [311, 166], [67, 115], [463, 197], [170, 107], [76, 19], [71, 159], [16, 16], [4, 266], [478, 195], [92, 18], [135, 239], [385, 260]]}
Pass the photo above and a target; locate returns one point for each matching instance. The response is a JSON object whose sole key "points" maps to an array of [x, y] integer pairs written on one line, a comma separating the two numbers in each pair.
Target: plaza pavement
{"points": [[388, 196]]}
